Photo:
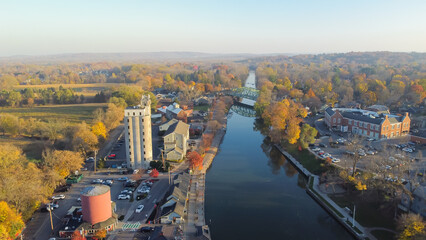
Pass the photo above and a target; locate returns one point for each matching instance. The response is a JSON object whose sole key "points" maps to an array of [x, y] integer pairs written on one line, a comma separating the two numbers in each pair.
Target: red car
{"points": [[112, 155]]}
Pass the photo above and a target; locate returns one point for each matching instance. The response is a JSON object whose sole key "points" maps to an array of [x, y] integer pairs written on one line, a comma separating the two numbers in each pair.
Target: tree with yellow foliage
{"points": [[284, 118], [411, 226], [100, 235], [99, 130], [11, 223], [63, 162]]}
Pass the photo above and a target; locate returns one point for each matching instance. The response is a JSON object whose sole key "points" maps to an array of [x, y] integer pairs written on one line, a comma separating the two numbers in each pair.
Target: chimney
{"points": [[386, 117], [406, 114]]}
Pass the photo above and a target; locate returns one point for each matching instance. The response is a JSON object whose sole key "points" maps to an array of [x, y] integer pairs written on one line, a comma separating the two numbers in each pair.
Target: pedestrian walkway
{"points": [[322, 198]]}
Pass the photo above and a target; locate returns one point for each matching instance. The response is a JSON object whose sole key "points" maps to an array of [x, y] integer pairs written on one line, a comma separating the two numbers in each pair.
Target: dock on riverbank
{"points": [[343, 217]]}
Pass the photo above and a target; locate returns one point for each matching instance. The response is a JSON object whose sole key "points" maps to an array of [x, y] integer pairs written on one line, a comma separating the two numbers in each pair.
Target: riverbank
{"points": [[329, 205], [196, 224]]}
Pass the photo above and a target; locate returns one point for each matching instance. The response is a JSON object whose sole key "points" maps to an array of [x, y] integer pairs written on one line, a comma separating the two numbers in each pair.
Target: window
{"points": [[365, 125], [133, 113], [387, 128], [393, 126], [338, 120], [140, 113], [371, 126], [350, 122], [142, 119], [128, 120], [398, 126], [377, 127], [334, 120]]}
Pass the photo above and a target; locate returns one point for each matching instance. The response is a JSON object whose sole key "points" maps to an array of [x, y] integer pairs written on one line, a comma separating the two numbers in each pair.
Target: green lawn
{"points": [[204, 108], [74, 113], [383, 235], [368, 214], [306, 158]]}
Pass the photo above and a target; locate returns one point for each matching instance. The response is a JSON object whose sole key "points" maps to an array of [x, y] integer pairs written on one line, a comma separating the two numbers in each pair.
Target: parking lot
{"points": [[390, 153]]}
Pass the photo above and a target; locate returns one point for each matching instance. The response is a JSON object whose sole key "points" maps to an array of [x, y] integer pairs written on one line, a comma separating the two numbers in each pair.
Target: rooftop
{"points": [[95, 190], [179, 127]]}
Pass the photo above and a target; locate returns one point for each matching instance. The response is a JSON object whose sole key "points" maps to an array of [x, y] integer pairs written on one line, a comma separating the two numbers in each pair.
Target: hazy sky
{"points": [[40, 27]]}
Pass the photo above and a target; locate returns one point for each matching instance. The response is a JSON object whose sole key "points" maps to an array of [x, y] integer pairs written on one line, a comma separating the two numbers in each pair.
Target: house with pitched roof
{"points": [[367, 123], [175, 141]]}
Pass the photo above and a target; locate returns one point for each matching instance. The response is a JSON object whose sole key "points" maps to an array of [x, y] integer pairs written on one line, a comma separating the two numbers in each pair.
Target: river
{"points": [[254, 193]]}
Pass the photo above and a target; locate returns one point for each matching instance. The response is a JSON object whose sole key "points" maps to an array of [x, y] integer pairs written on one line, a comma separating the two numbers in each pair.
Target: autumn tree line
{"points": [[316, 82], [192, 80], [27, 183]]}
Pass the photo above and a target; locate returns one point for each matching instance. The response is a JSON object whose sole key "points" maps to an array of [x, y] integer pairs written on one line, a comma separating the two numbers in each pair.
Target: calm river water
{"points": [[254, 193]]}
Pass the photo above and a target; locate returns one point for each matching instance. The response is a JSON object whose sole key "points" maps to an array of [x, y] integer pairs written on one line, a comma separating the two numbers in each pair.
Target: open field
{"points": [[31, 147], [74, 113], [74, 86]]}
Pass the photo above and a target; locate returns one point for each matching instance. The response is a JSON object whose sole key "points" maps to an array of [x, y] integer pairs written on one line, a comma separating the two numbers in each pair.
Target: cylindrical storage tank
{"points": [[96, 203]]}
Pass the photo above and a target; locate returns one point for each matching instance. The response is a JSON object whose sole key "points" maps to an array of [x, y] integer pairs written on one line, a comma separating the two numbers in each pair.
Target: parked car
{"points": [[90, 159], [123, 197], [139, 209], [58, 197], [322, 145], [350, 153], [53, 205], [123, 179], [406, 149], [335, 160], [370, 152], [147, 229], [125, 191], [316, 149]]}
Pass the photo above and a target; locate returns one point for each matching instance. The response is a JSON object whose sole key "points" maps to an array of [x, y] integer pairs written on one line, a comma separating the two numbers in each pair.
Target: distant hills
{"points": [[126, 57], [370, 58]]}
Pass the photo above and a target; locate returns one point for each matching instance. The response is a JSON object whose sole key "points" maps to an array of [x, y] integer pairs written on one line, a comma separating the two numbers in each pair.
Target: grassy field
{"points": [[74, 113], [73, 86], [306, 158], [369, 214], [31, 147]]}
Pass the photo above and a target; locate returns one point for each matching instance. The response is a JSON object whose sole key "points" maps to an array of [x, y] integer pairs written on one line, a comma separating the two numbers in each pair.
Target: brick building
{"points": [[367, 123]]}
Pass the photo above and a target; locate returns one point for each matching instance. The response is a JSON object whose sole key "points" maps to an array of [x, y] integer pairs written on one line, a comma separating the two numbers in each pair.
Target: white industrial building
{"points": [[137, 123]]}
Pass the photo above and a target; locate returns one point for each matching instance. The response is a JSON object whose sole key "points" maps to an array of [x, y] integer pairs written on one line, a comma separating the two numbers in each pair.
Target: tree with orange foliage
{"points": [[207, 140], [284, 118], [154, 173], [101, 234], [77, 236], [195, 160]]}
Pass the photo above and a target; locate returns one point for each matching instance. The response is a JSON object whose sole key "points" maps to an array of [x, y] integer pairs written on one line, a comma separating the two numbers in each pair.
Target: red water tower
{"points": [[96, 203]]}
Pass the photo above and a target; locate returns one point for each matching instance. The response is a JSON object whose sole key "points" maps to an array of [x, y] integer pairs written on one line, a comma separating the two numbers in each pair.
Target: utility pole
{"points": [[353, 217], [96, 152], [170, 177], [50, 213]]}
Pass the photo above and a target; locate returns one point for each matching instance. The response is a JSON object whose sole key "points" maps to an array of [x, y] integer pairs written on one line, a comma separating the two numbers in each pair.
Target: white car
{"points": [[407, 150], [145, 190], [125, 191], [53, 205], [58, 197], [316, 149], [335, 160], [139, 209], [123, 197]]}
